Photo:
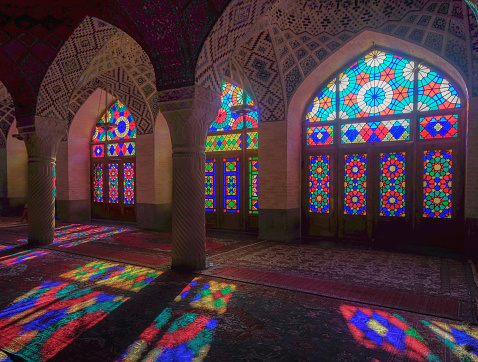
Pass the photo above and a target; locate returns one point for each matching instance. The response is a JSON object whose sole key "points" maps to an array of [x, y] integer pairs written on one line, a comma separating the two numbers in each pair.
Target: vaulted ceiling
{"points": [[171, 33]]}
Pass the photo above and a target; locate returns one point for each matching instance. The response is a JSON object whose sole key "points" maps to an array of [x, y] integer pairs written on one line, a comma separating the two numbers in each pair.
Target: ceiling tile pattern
{"points": [[257, 58], [7, 113], [226, 36], [69, 64]]}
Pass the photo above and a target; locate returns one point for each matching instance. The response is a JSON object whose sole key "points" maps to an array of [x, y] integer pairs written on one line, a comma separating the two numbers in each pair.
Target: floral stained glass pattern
{"points": [[437, 183], [355, 184], [439, 127], [378, 84], [398, 130], [98, 183], [128, 183], [210, 176], [323, 107], [98, 151], [319, 184], [231, 185], [113, 183], [125, 124], [253, 185], [229, 142], [322, 135], [392, 184], [435, 92], [227, 120], [121, 149]]}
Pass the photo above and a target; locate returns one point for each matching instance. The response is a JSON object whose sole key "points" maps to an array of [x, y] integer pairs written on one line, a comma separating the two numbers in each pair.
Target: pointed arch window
{"points": [[113, 152], [232, 168], [369, 127]]}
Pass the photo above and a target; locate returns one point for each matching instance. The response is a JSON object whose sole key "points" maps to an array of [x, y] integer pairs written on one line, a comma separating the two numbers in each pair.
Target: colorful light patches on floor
{"points": [[39, 324], [185, 292], [378, 329], [93, 238], [462, 340], [21, 257], [5, 247], [214, 296], [131, 278], [188, 336], [4, 357]]}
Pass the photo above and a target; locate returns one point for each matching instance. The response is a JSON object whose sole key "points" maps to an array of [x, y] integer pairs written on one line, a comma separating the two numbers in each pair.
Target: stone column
{"points": [[189, 112], [42, 144]]}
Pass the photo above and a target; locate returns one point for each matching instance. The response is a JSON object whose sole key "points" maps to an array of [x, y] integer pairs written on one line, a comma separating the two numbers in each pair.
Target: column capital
{"points": [[43, 138], [189, 112]]}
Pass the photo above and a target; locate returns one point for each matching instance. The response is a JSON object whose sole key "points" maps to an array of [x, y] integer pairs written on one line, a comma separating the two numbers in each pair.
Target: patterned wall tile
{"points": [[7, 113], [262, 71]]}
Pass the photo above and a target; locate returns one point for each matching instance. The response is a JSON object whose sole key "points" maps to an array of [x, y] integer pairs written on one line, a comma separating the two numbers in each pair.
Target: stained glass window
{"points": [[398, 130], [231, 185], [435, 92], [252, 140], [355, 184], [54, 182], [113, 183], [253, 185], [100, 134], [228, 142], [98, 183], [125, 125], [227, 119], [439, 127], [322, 135], [323, 108], [378, 84], [98, 151], [392, 184], [128, 183], [210, 182], [121, 149], [319, 184], [437, 183]]}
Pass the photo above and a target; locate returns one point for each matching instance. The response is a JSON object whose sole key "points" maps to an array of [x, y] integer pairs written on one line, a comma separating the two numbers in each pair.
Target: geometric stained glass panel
{"points": [[121, 149], [98, 151], [437, 183], [366, 132], [229, 142], [392, 184], [323, 135], [378, 84], [323, 107], [319, 184], [227, 119], [98, 183], [231, 185], [113, 183], [128, 183], [355, 183], [439, 127], [253, 185], [125, 125], [210, 184], [252, 140], [435, 92]]}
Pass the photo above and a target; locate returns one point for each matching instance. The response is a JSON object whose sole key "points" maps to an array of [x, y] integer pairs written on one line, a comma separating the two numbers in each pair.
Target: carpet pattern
{"points": [[382, 270]]}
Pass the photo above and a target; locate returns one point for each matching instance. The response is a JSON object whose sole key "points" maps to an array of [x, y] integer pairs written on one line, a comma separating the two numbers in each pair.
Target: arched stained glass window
{"points": [[113, 153], [367, 133], [232, 167]]}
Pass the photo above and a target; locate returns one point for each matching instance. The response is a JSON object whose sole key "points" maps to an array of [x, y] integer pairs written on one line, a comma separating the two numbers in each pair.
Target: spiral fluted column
{"points": [[189, 112], [42, 144]]}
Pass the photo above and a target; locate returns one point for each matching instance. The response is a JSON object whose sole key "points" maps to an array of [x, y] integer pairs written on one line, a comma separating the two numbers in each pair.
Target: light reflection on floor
{"points": [[189, 336], [22, 257], [379, 329]]}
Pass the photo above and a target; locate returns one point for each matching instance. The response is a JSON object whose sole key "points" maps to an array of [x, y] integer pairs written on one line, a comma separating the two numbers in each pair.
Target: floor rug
{"points": [[435, 306]]}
